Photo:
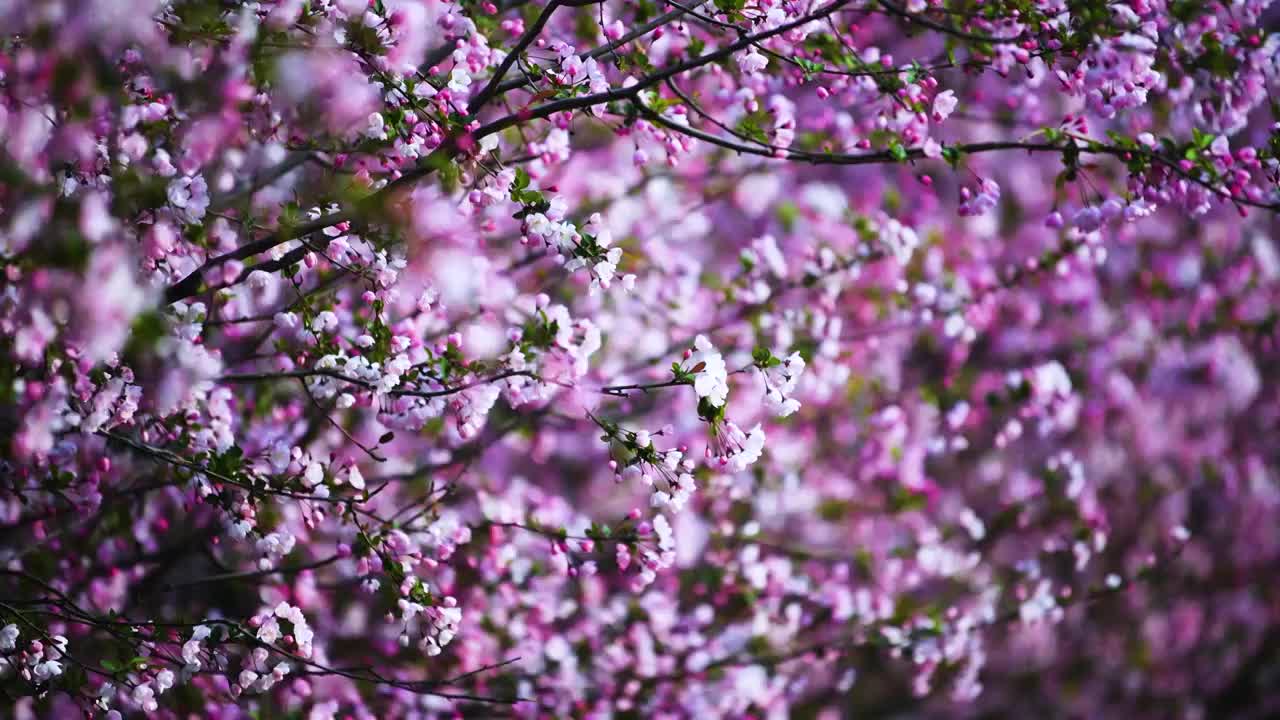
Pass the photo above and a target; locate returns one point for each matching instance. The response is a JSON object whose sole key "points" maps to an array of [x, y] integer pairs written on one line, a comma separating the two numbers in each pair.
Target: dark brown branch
{"points": [[609, 47], [922, 21], [530, 34], [585, 101], [260, 377], [250, 575]]}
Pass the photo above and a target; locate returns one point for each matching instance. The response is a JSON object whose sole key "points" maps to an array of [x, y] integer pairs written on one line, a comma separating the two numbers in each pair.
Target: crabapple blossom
{"points": [[420, 359], [711, 377]]}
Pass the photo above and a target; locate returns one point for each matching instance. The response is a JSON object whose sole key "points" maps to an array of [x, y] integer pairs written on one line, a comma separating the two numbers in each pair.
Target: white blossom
{"points": [[711, 377]]}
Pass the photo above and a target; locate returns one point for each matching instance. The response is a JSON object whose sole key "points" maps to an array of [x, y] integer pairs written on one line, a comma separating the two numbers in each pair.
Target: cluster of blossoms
{"points": [[600, 359], [35, 663], [296, 633]]}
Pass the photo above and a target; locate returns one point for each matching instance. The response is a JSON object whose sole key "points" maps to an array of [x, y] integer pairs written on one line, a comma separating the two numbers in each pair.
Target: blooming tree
{"points": [[639, 358]]}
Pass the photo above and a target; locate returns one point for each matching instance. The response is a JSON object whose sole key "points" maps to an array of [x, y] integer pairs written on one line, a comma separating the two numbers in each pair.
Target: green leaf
{"points": [[809, 67], [904, 500], [709, 412], [788, 214], [731, 8], [952, 156], [749, 128]]}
